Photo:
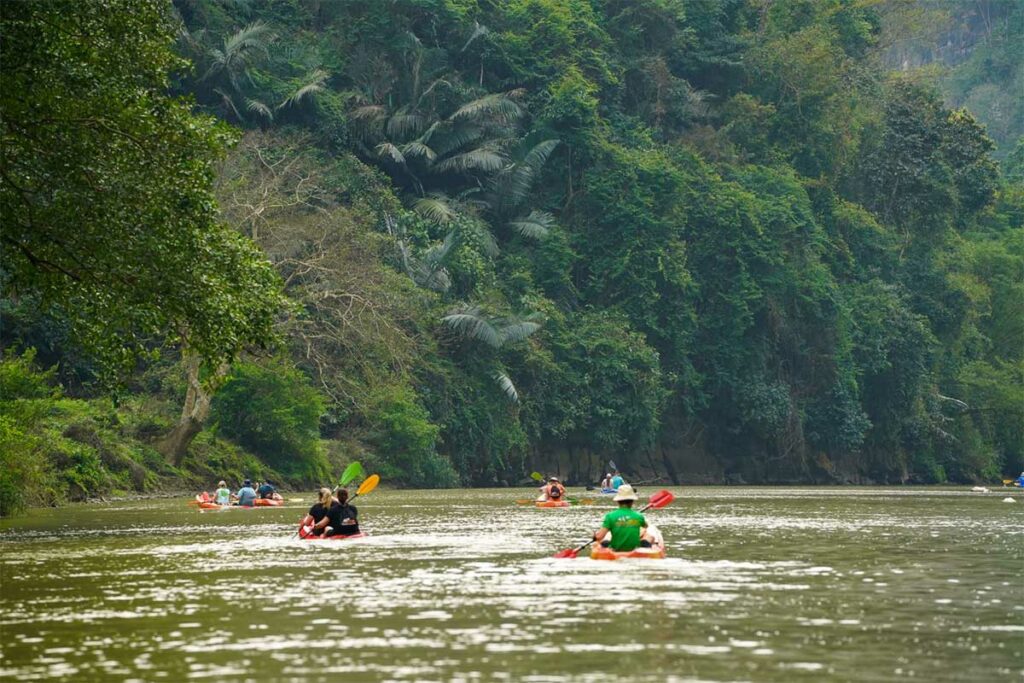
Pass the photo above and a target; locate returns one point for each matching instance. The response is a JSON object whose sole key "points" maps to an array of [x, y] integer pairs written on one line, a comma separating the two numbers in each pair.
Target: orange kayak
{"points": [[268, 502], [655, 552], [602, 553], [551, 503]]}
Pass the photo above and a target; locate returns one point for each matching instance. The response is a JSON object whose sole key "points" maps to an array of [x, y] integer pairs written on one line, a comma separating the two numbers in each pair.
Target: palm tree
{"points": [[470, 322], [233, 59]]}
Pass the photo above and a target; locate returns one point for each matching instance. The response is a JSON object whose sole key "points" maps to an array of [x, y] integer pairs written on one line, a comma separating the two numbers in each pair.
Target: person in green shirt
{"points": [[626, 526], [222, 496]]}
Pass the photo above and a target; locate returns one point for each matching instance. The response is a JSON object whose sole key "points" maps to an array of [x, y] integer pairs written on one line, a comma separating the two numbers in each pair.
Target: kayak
{"points": [[551, 503], [602, 553], [311, 537], [268, 502], [655, 552], [305, 535], [609, 492]]}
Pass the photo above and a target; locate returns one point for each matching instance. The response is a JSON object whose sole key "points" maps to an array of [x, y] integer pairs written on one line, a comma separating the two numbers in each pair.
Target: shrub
{"points": [[275, 413]]}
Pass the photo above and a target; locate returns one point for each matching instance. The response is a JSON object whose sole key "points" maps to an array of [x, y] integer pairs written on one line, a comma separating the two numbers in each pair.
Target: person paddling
{"points": [[606, 483], [222, 496], [342, 519], [319, 511], [552, 490], [617, 481], [626, 526], [246, 495], [267, 491]]}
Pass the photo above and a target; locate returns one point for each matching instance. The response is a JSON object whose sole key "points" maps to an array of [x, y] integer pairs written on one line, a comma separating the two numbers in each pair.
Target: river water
{"points": [[761, 584]]}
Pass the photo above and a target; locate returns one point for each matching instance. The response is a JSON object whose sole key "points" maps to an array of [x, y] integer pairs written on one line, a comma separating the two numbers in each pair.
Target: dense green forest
{"points": [[735, 241]]}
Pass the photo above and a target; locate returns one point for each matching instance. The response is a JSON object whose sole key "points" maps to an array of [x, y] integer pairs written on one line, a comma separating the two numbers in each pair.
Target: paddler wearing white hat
{"points": [[626, 526], [552, 490]]}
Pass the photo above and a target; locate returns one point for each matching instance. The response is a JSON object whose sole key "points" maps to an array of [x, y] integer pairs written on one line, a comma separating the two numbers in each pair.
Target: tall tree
{"points": [[105, 187]]}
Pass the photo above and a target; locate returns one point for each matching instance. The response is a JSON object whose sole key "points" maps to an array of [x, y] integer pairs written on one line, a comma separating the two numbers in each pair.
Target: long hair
{"points": [[325, 497]]}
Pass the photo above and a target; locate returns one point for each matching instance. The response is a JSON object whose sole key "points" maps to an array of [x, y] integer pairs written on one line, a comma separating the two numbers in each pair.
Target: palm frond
{"points": [[401, 124], [470, 323], [418, 149], [314, 83], [518, 331], [435, 208], [480, 159], [449, 137], [535, 226], [437, 254], [506, 385], [387, 150], [488, 243], [369, 111], [538, 154], [260, 108], [253, 37], [478, 31], [496, 104]]}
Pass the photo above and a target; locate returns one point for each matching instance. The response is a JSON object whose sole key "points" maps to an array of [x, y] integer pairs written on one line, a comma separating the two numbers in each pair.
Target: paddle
{"points": [[657, 501], [537, 476], [352, 472]]}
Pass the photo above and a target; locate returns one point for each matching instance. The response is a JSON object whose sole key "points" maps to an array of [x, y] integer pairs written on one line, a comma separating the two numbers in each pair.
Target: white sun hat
{"points": [[625, 492]]}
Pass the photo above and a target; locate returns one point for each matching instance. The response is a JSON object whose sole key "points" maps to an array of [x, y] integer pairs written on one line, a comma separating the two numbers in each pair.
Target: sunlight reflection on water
{"points": [[765, 584]]}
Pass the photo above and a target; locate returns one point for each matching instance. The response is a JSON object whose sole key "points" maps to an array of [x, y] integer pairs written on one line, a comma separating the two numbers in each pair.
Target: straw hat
{"points": [[626, 492]]}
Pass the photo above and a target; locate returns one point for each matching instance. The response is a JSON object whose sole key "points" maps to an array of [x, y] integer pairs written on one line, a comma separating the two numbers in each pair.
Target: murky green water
{"points": [[761, 584]]}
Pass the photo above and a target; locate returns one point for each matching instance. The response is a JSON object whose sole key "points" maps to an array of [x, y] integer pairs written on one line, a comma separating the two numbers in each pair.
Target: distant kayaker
{"points": [[552, 490], [626, 526], [266, 490], [318, 512], [1020, 480], [246, 495], [606, 483], [222, 496], [617, 481], [342, 519]]}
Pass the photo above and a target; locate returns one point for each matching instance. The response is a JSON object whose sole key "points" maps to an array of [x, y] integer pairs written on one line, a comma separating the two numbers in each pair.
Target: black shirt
{"points": [[317, 512], [344, 519]]}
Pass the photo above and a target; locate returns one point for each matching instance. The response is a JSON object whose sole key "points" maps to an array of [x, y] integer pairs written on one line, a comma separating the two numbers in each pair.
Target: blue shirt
{"points": [[617, 481], [246, 496]]}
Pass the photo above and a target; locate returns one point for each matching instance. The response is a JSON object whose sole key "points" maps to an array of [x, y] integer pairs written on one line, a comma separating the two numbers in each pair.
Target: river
{"points": [[761, 584]]}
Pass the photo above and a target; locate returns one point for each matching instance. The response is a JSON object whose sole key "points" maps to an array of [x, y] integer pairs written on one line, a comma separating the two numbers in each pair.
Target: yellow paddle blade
{"points": [[368, 485]]}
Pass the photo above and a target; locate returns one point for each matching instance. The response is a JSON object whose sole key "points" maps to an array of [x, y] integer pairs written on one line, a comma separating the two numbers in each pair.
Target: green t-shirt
{"points": [[222, 496], [625, 525]]}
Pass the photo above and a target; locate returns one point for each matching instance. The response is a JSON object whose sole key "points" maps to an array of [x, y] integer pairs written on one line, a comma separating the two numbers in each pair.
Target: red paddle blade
{"points": [[660, 499], [566, 554]]}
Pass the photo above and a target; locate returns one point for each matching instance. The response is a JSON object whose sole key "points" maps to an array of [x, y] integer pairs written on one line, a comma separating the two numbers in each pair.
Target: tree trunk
{"points": [[175, 445]]}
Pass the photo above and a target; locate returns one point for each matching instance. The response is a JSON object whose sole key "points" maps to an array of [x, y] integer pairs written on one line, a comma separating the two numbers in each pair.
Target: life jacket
{"points": [[555, 492]]}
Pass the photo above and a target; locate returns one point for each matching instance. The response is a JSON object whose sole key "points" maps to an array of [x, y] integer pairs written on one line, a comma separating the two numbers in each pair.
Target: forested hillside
{"points": [[460, 240]]}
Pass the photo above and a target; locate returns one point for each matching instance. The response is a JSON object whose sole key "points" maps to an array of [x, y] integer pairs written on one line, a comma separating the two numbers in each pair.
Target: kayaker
{"points": [[626, 526], [1020, 480], [606, 483], [222, 496], [246, 495], [617, 481], [266, 490], [552, 490], [342, 519], [318, 512]]}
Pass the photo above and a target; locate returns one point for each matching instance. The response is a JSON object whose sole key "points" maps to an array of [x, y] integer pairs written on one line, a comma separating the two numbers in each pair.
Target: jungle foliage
{"points": [[713, 241]]}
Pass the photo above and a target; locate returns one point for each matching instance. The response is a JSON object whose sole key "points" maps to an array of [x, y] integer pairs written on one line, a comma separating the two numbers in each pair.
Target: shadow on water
{"points": [[761, 584]]}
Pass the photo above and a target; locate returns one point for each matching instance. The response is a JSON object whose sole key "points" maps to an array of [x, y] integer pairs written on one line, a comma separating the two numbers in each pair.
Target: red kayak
{"points": [[305, 532]]}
